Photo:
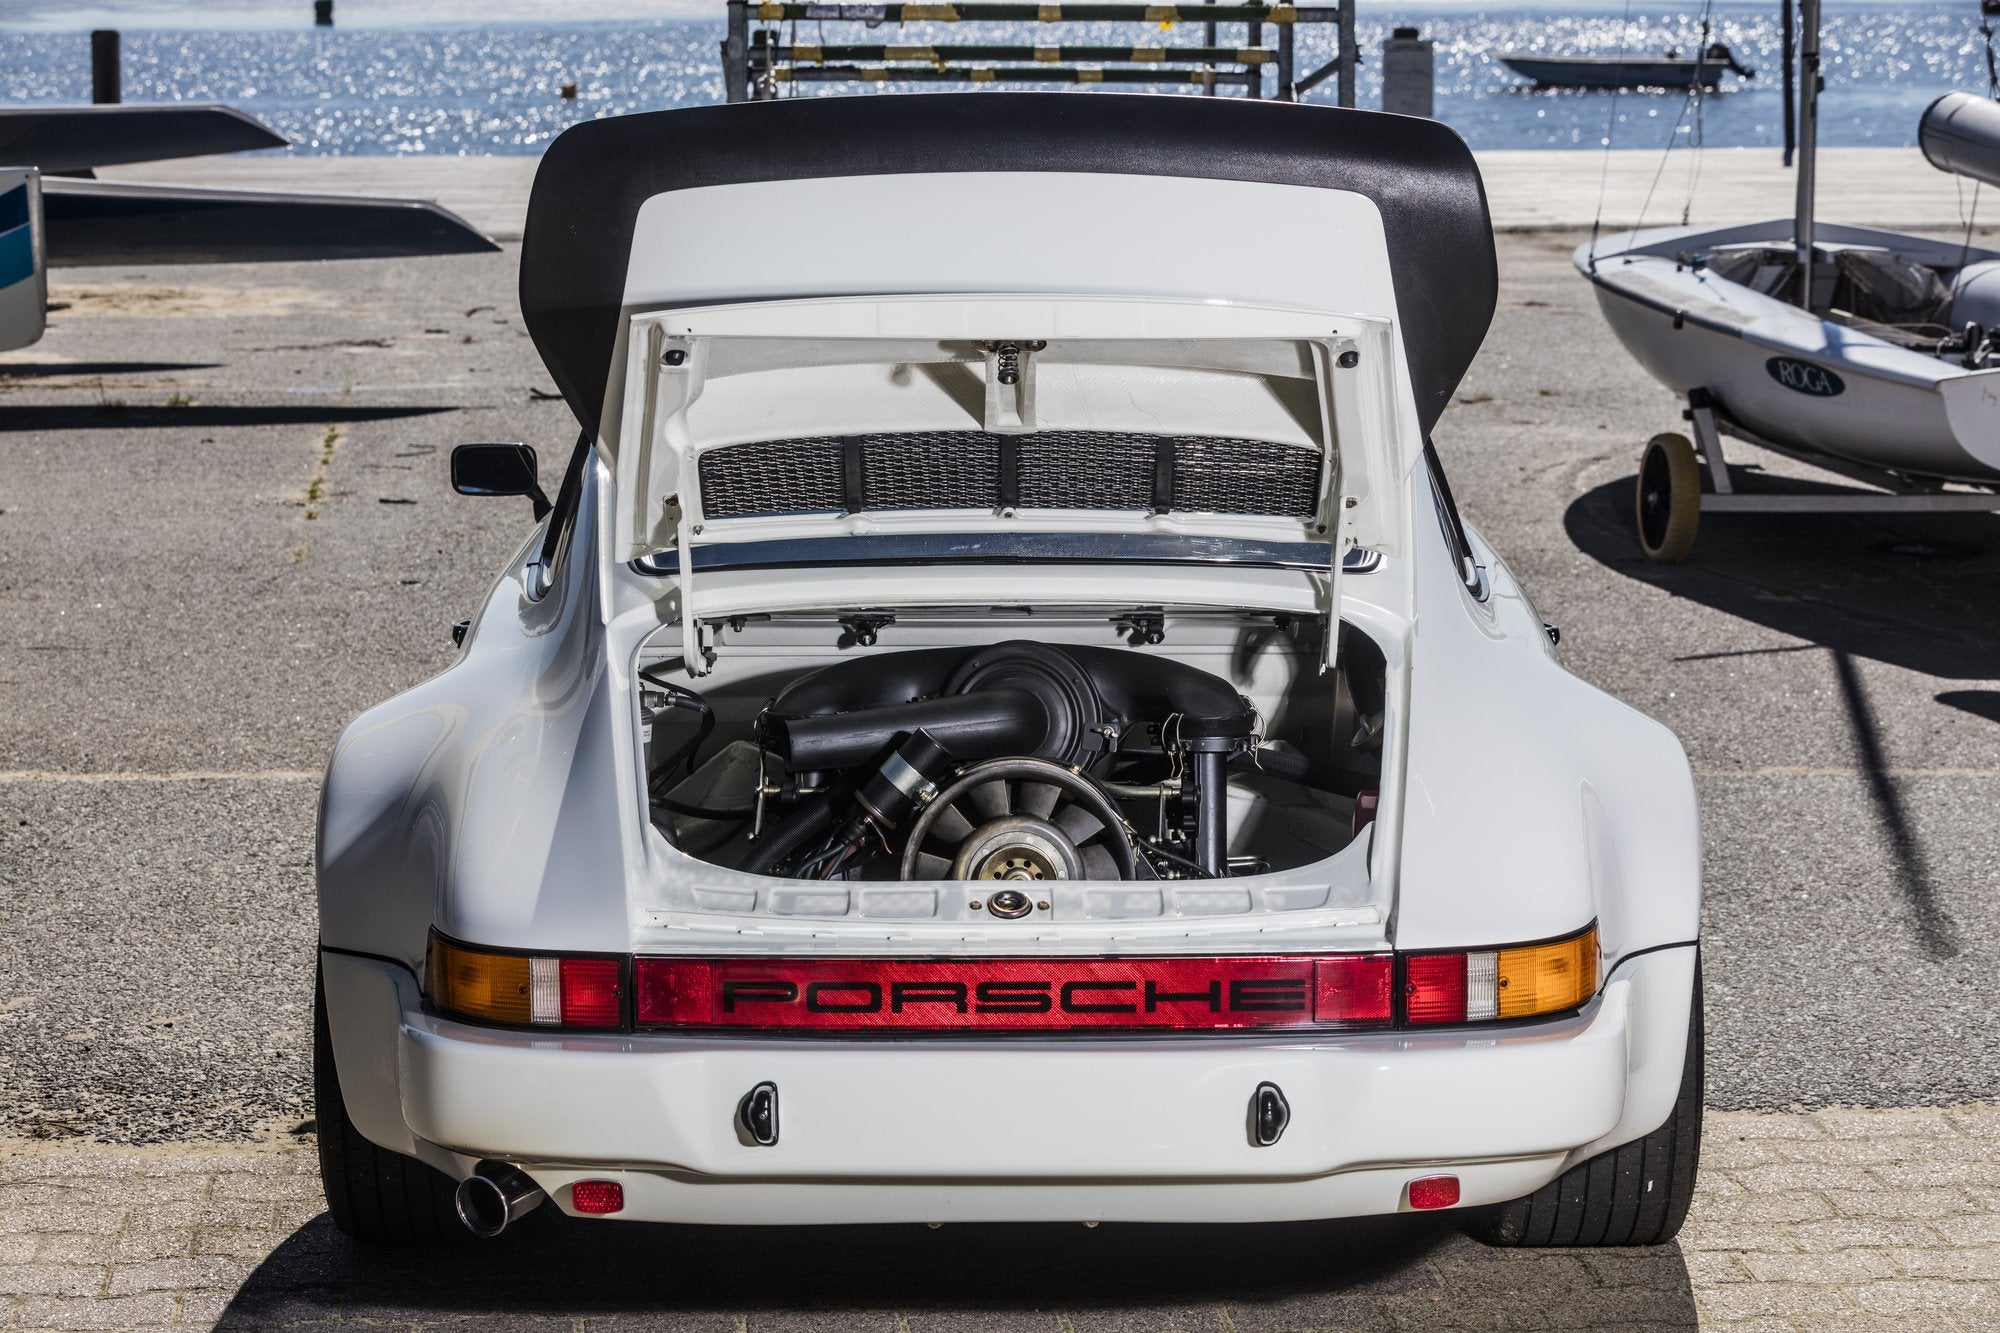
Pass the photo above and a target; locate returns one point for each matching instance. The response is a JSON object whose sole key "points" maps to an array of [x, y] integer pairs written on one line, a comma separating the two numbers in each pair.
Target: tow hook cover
{"points": [[757, 1116], [1269, 1114]]}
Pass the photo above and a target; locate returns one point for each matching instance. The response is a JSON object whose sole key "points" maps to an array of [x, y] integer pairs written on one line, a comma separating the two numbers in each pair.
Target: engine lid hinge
{"points": [[1142, 627], [862, 631]]}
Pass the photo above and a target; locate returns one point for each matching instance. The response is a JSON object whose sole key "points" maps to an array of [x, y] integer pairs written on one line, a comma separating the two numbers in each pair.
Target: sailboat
{"points": [[1873, 354]]}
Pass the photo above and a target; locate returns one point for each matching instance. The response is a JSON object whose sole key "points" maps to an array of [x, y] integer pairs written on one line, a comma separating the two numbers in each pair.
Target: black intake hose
{"points": [[1138, 686], [983, 725], [868, 702], [812, 818]]}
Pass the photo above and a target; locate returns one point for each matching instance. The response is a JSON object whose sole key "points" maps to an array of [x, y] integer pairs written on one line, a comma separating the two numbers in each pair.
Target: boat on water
{"points": [[1671, 70], [1874, 354]]}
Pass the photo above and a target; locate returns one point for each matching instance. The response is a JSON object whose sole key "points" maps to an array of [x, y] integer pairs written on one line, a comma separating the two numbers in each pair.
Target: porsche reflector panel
{"points": [[1019, 995]]}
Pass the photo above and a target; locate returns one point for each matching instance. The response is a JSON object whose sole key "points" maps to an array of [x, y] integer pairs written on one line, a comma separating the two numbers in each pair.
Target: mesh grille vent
{"points": [[772, 477], [1077, 469], [1058, 469], [931, 470], [1243, 477]]}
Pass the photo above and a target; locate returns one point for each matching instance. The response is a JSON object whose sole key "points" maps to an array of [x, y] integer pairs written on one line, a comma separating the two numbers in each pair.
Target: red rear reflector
{"points": [[1353, 988], [590, 993], [1015, 994], [1434, 988], [597, 1197], [1434, 1192]]}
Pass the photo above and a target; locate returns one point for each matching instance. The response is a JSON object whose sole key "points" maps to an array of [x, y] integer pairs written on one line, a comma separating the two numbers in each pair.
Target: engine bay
{"points": [[1136, 746]]}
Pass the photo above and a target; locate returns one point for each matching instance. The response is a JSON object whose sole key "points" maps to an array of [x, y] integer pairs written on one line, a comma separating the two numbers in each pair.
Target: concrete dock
{"points": [[1883, 187], [225, 528]]}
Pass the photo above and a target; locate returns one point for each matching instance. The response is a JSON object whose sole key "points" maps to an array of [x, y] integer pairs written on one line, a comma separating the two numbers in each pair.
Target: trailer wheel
{"points": [[1667, 499]]}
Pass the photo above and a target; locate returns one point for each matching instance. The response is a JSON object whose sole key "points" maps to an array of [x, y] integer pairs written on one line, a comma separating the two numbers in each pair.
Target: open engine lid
{"points": [[852, 417], [765, 422]]}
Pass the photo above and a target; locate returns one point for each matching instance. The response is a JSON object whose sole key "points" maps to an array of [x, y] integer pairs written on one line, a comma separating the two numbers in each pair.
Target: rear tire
{"points": [[374, 1195], [1667, 498], [1637, 1194]]}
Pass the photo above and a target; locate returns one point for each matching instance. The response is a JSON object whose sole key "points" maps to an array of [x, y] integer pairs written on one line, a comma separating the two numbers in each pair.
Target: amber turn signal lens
{"points": [[1547, 978], [490, 987]]}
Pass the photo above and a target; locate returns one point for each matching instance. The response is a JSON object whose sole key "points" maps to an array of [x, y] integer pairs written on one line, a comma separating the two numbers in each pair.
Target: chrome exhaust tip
{"points": [[495, 1196]]}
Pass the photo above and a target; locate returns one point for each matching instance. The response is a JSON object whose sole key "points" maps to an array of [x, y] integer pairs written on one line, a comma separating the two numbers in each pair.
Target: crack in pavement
{"points": [[316, 487]]}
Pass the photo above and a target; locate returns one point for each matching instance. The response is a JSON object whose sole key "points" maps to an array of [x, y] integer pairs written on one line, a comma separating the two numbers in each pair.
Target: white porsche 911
{"points": [[1002, 719]]}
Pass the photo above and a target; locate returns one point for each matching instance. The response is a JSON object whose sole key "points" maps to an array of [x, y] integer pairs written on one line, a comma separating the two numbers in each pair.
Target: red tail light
{"points": [[1521, 981], [1015, 994], [1434, 988], [592, 993], [1296, 992]]}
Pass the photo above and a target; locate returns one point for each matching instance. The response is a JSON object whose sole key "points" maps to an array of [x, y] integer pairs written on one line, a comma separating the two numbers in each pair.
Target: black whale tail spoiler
{"points": [[1419, 174]]}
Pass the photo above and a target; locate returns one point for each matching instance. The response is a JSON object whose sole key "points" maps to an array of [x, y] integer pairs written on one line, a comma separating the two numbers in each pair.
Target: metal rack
{"points": [[1895, 494], [758, 60]]}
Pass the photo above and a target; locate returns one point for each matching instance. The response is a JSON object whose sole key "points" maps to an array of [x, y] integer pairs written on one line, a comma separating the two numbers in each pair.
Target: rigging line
{"points": [[1971, 216], [1697, 91], [1992, 71], [1672, 135], [1610, 130], [1992, 91]]}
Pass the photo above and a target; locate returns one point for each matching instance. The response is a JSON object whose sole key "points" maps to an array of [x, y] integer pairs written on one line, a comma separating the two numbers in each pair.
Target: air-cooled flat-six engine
{"points": [[1017, 762]]}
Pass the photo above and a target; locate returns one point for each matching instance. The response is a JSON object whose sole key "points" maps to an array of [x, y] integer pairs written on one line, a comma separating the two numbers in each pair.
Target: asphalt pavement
{"points": [[225, 528]]}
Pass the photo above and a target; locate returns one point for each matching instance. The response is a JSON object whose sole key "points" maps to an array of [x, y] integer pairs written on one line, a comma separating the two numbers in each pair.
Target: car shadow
{"points": [[122, 416], [1917, 591], [990, 1276], [93, 369], [1920, 591]]}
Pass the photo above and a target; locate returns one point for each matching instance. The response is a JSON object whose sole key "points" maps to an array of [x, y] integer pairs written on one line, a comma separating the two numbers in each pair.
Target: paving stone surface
{"points": [[1842, 1219]]}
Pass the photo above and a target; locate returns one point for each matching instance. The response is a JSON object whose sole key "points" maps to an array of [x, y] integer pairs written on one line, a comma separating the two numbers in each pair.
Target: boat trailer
{"points": [[1681, 479]]}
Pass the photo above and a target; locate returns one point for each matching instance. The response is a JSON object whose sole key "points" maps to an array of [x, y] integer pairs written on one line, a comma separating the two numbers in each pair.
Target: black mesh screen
{"points": [[1216, 476], [930, 470], [772, 477], [1057, 469], [1083, 469]]}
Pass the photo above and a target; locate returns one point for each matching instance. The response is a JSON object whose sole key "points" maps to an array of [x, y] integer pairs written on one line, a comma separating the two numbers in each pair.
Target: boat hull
{"points": [[1591, 72], [1794, 379]]}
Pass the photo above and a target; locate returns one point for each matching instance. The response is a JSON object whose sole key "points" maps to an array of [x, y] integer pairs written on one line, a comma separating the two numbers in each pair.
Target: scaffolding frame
{"points": [[757, 61]]}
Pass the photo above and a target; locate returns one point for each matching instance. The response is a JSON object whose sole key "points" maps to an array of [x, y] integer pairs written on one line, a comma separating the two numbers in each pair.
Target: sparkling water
{"points": [[406, 78]]}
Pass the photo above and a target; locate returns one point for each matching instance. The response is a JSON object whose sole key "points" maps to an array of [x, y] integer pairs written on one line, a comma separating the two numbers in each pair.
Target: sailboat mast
{"points": [[1790, 61], [1802, 222]]}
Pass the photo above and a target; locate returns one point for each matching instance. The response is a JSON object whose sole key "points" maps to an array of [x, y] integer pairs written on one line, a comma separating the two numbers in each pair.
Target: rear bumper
{"points": [[1001, 1130]]}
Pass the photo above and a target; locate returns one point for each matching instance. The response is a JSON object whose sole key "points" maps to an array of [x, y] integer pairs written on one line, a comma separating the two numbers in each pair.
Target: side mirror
{"points": [[498, 469]]}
